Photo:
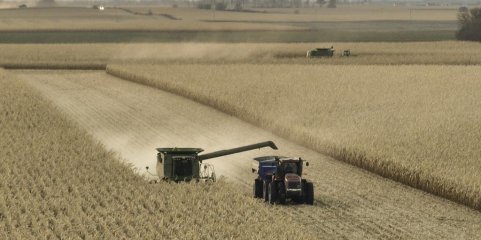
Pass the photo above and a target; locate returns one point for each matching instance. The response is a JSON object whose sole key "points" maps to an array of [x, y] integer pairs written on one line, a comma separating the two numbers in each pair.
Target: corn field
{"points": [[414, 124], [95, 56], [57, 182]]}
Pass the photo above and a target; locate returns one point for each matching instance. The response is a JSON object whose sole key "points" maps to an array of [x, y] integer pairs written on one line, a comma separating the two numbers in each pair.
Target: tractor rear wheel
{"points": [[257, 188], [309, 193], [272, 192]]}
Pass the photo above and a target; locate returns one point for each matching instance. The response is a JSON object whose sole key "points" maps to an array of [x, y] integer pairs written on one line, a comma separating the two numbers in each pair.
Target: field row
{"points": [[415, 124], [95, 55]]}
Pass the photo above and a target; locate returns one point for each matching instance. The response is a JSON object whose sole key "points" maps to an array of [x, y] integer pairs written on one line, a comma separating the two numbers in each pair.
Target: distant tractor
{"points": [[346, 53], [321, 52], [280, 178], [185, 164]]}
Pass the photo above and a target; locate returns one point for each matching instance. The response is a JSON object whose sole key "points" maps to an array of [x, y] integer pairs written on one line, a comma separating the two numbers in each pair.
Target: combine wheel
{"points": [[214, 178], [257, 188], [265, 190], [272, 192], [309, 193]]}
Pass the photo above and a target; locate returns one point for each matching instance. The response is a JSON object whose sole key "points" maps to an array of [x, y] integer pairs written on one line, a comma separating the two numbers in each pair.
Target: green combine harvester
{"points": [[320, 52], [185, 164]]}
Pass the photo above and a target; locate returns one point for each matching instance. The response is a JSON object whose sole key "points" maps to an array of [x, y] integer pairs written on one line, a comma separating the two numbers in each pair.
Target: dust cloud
{"points": [[132, 120], [192, 51], [138, 147]]}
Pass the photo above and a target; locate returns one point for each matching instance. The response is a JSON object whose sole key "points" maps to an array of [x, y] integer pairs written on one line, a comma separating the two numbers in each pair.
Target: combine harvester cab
{"points": [[185, 164], [280, 178], [179, 164]]}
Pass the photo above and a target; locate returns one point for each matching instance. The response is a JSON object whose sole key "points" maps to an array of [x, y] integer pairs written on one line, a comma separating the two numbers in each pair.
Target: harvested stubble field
{"points": [[98, 55], [112, 19], [220, 36], [415, 124], [57, 182], [315, 14]]}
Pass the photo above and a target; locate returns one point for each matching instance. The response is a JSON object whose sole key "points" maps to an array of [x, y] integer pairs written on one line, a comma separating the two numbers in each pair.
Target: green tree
{"points": [[469, 25]]}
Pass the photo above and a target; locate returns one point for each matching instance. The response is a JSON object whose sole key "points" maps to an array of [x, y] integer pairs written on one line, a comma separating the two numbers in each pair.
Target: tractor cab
{"points": [[267, 166], [289, 165]]}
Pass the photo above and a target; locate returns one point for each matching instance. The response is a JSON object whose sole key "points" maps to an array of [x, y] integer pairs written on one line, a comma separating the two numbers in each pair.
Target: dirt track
{"points": [[132, 120]]}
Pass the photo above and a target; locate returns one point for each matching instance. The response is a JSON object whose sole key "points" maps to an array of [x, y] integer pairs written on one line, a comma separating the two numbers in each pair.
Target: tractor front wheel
{"points": [[309, 193]]}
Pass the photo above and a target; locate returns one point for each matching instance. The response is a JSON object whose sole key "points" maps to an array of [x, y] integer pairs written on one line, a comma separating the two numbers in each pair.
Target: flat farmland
{"points": [[414, 124], [342, 13], [130, 17], [112, 19], [131, 120], [153, 24], [97, 55], [391, 132]]}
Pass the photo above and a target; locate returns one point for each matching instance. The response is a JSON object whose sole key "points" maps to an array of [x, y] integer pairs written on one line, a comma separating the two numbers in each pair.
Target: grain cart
{"points": [[320, 52], [280, 178], [265, 167], [185, 164]]}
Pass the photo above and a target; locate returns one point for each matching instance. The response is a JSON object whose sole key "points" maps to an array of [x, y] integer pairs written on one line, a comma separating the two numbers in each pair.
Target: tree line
{"points": [[469, 24]]}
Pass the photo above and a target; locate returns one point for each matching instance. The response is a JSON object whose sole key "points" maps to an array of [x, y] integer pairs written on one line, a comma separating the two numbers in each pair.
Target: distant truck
{"points": [[280, 178], [320, 52], [22, 6]]}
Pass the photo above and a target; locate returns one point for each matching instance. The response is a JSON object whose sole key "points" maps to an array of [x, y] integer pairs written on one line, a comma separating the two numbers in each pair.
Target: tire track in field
{"points": [[133, 119]]}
